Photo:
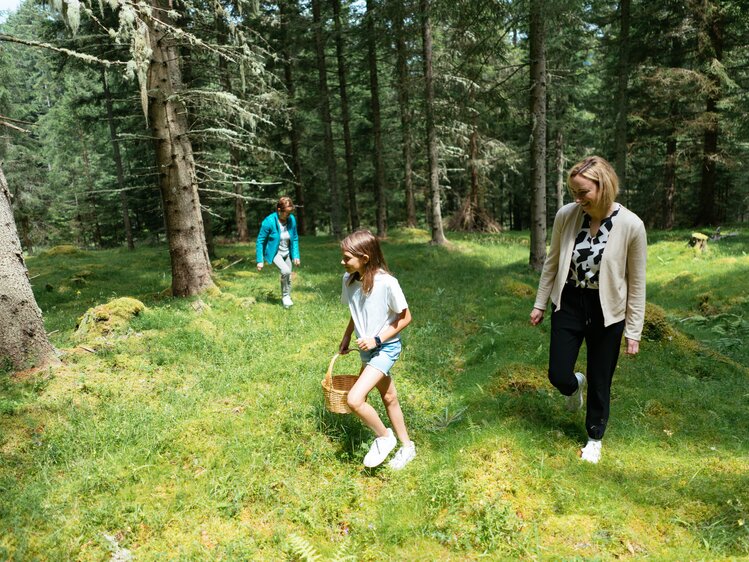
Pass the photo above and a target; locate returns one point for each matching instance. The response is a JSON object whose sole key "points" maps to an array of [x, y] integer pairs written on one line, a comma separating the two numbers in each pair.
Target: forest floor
{"points": [[199, 432]]}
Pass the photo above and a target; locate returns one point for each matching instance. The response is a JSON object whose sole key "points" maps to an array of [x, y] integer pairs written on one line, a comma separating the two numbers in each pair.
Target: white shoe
{"points": [[403, 456], [380, 449], [575, 400], [592, 451], [286, 301]]}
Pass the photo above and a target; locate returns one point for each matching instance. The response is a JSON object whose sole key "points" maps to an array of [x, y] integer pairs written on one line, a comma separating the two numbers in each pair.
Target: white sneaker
{"points": [[575, 400], [403, 456], [287, 303], [380, 449], [592, 451]]}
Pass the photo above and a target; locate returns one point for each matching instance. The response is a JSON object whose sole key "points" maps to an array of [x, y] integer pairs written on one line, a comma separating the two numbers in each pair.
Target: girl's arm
{"points": [[343, 348], [262, 236], [388, 332]]}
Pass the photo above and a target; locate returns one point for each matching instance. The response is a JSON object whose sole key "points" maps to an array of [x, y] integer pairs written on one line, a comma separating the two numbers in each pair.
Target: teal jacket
{"points": [[269, 238]]}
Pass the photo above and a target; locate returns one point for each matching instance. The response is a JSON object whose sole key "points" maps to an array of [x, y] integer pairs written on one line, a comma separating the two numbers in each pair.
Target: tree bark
{"points": [[191, 267], [374, 88], [330, 160], [288, 9], [345, 116], [622, 100], [23, 340], [538, 136], [117, 161], [438, 234], [559, 165], [402, 87]]}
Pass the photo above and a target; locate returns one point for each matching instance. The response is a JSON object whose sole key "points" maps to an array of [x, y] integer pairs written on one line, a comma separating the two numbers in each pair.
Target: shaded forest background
{"points": [[325, 101]]}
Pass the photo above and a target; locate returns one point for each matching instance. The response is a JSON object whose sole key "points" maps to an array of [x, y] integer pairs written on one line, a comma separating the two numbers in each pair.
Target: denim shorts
{"points": [[384, 358]]}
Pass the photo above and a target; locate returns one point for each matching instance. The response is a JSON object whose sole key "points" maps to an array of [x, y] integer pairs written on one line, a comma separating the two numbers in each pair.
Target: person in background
{"points": [[594, 276], [278, 243], [379, 312]]}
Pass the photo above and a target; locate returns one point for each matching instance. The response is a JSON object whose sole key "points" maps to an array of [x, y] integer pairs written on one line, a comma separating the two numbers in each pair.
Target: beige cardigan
{"points": [[622, 276]]}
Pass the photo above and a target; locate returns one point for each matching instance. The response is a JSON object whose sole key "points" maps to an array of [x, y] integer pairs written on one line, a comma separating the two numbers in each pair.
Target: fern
{"points": [[302, 549]]}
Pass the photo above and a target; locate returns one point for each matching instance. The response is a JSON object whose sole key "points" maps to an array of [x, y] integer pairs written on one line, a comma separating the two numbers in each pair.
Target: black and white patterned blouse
{"points": [[586, 256]]}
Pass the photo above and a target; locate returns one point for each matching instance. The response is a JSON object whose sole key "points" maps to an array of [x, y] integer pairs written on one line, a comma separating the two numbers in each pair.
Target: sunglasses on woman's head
{"points": [[584, 167]]}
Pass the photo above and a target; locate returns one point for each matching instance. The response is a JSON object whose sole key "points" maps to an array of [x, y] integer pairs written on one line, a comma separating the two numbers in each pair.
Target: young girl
{"points": [[379, 312], [278, 243]]}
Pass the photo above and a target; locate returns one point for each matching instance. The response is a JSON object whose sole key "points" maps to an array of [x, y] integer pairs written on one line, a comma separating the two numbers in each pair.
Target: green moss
{"points": [[656, 326], [107, 318], [62, 250]]}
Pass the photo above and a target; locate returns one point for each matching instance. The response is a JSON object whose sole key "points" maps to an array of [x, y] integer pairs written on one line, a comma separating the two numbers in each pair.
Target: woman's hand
{"points": [[366, 344], [633, 346], [297, 261], [537, 316]]}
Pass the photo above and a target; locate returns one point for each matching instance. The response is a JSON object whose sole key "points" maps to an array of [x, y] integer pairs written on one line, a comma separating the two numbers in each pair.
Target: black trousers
{"points": [[580, 318]]}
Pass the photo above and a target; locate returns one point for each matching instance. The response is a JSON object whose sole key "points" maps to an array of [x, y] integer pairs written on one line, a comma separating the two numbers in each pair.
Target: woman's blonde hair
{"points": [[599, 170], [360, 244]]}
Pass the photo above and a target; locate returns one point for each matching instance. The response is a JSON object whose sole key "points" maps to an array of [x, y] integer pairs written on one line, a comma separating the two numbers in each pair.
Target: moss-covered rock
{"points": [[62, 250], [107, 318], [656, 326], [520, 289]]}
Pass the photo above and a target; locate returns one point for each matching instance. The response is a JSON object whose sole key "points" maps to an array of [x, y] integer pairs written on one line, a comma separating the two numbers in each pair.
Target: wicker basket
{"points": [[335, 389]]}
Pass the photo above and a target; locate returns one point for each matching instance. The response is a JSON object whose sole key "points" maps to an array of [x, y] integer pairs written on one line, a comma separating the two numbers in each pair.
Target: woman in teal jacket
{"points": [[278, 243]]}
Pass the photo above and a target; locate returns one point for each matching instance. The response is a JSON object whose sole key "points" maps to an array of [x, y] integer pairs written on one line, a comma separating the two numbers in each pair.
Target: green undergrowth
{"points": [[198, 431]]}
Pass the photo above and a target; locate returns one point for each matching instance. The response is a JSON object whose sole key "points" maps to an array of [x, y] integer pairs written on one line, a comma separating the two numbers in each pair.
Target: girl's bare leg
{"points": [[357, 400], [386, 386]]}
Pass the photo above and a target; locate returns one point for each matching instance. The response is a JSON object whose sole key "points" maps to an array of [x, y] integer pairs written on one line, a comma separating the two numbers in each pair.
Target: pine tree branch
{"points": [[81, 56]]}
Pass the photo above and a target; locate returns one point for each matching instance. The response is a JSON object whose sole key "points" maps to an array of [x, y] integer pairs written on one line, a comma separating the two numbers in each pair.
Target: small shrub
{"points": [[705, 306]]}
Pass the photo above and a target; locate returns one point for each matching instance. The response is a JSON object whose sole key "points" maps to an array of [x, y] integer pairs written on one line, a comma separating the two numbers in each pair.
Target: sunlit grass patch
{"points": [[199, 432]]}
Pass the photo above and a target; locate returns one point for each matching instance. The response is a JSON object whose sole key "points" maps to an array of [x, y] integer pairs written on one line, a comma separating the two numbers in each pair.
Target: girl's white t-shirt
{"points": [[381, 307]]}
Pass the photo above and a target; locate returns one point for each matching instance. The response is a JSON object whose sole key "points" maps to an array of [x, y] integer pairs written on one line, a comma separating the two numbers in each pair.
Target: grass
{"points": [[199, 434]]}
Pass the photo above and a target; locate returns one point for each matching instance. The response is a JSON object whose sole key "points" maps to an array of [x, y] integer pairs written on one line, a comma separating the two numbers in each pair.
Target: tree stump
{"points": [[698, 241]]}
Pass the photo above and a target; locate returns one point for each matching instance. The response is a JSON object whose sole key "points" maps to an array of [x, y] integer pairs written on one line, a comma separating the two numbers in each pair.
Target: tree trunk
{"points": [[472, 215], [330, 160], [288, 9], [559, 165], [438, 234], [28, 243], [402, 86], [117, 161], [240, 206], [538, 136], [713, 25], [669, 183], [622, 100], [94, 212], [377, 158], [345, 116], [191, 267], [208, 229], [23, 340]]}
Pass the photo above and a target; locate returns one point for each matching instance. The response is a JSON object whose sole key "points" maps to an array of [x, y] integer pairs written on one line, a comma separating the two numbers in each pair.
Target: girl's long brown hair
{"points": [[362, 243]]}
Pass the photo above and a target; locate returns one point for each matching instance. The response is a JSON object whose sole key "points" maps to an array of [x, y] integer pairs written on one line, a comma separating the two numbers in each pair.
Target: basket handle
{"points": [[329, 373]]}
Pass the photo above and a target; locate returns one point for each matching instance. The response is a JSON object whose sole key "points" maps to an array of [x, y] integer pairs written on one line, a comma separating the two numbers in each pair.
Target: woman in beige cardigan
{"points": [[596, 296]]}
